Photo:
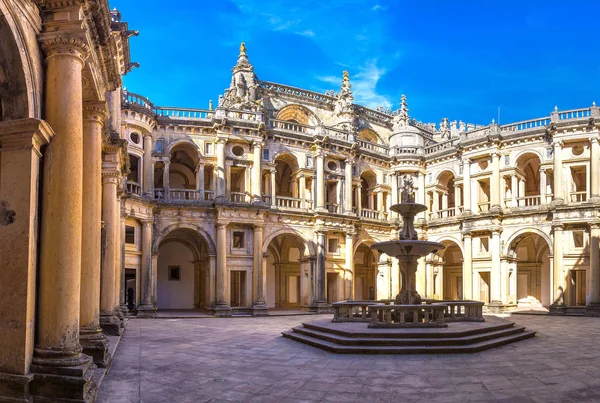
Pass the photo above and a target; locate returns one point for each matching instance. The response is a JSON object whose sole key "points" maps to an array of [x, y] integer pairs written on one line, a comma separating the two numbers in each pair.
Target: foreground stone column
{"points": [[320, 302], [594, 281], [220, 168], [259, 308], [20, 152], [495, 182], [559, 286], [467, 186], [467, 271], [595, 169], [111, 263], [558, 197], [92, 339], [495, 275], [147, 307], [257, 173], [320, 157], [221, 307], [348, 187], [62, 371], [148, 167], [273, 183], [349, 269]]}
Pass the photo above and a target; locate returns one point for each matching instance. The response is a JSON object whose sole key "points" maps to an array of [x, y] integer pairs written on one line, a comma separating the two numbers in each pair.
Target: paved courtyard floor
{"points": [[247, 360]]}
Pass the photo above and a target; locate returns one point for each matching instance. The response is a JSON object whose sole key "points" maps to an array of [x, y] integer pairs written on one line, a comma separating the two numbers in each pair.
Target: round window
{"points": [[237, 151], [577, 150], [332, 166], [135, 138]]}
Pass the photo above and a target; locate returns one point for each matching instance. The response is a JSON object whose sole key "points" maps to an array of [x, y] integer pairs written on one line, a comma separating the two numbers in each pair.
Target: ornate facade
{"points": [[272, 199], [110, 204]]}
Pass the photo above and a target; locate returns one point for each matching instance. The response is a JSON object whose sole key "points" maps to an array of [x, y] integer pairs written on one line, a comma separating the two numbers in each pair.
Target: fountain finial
{"points": [[408, 190]]}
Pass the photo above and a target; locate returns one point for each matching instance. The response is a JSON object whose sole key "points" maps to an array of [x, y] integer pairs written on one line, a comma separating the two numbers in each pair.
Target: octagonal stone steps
{"points": [[384, 341]]}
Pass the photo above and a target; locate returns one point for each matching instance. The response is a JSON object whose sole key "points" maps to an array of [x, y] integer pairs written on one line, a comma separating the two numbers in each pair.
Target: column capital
{"points": [[147, 222], [558, 227], [593, 139], [350, 234], [221, 224], [72, 43], [221, 140], [256, 144], [558, 143], [594, 226], [95, 111], [259, 227], [466, 234]]}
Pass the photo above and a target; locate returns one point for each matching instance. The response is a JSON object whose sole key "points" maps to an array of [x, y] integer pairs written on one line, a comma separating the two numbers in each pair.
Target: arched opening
{"points": [[286, 166], [287, 273], [449, 279], [183, 159], [368, 198], [529, 272], [446, 197], [297, 114], [524, 186], [365, 273], [368, 135], [183, 271]]}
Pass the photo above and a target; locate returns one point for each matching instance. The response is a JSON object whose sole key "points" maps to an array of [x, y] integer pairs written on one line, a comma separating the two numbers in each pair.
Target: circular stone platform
{"points": [[458, 337]]}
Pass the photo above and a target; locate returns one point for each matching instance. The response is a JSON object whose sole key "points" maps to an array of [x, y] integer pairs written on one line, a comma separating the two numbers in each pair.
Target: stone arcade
{"points": [[269, 201]]}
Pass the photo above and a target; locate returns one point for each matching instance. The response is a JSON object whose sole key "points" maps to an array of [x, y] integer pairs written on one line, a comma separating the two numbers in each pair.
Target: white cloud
{"points": [[307, 32], [364, 86], [330, 79]]}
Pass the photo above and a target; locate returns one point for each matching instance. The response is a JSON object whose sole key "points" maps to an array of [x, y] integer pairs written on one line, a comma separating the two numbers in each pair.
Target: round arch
{"points": [[525, 152], [450, 238], [289, 231], [444, 173], [185, 144], [289, 158], [366, 133], [524, 233], [299, 114], [212, 250]]}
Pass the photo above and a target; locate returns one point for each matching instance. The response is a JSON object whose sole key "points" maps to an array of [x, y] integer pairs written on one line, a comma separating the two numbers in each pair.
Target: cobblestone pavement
{"points": [[247, 360]]}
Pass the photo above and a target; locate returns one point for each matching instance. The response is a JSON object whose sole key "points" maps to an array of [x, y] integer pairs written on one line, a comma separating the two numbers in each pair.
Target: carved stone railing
{"points": [[367, 145], [528, 201], [369, 214], [296, 92], [389, 316], [339, 134], [407, 150], [289, 202], [353, 311], [133, 187], [434, 148], [237, 197], [159, 193], [575, 114], [578, 197], [291, 126], [244, 115], [526, 124], [184, 113], [184, 194], [209, 195], [484, 207], [333, 208], [461, 310]]}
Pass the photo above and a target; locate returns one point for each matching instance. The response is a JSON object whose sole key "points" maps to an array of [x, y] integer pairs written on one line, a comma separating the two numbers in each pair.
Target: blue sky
{"points": [[456, 59]]}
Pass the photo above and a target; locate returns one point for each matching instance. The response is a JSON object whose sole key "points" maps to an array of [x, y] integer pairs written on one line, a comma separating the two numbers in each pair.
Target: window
{"points": [[507, 160], [129, 234], [309, 161], [485, 245], [266, 154], [332, 245], [160, 145], [135, 138], [238, 151], [174, 273], [208, 148], [332, 166], [578, 239], [238, 239]]}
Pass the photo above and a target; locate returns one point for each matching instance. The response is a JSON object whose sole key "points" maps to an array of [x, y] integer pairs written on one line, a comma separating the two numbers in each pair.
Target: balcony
{"points": [[134, 187], [369, 214], [237, 197], [333, 208], [445, 213], [289, 202], [578, 197], [483, 207], [528, 201]]}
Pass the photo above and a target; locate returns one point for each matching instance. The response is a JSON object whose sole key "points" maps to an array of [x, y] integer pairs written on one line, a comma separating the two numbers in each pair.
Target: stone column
{"points": [[200, 180], [504, 281], [121, 286], [558, 197], [394, 200], [212, 278], [595, 169], [20, 151], [349, 269], [542, 186], [220, 168], [467, 270], [320, 157], [522, 191], [197, 281], [259, 308], [495, 275], [273, 183], [148, 167], [302, 190], [320, 302], [457, 192], [421, 194], [90, 334], [495, 182], [256, 173], [111, 262], [559, 286], [594, 276], [166, 184], [514, 189], [348, 187], [147, 307], [221, 307], [61, 367], [467, 186], [359, 200]]}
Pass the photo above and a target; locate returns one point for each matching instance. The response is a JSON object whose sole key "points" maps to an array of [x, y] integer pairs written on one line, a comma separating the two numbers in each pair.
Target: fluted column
{"points": [[467, 185], [594, 282], [495, 182], [221, 307], [496, 269], [258, 307], [467, 269], [558, 197], [273, 183], [92, 340], [148, 184], [147, 307], [559, 286], [220, 184], [257, 173], [595, 169], [348, 187], [349, 269], [320, 157], [58, 351]]}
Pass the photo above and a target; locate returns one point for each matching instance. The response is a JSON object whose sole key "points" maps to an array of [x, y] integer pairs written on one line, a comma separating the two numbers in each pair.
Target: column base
{"points": [[111, 324], [498, 307], [557, 201], [15, 388], [146, 311], [95, 344], [593, 309], [221, 311], [320, 307], [62, 377], [260, 309], [557, 310]]}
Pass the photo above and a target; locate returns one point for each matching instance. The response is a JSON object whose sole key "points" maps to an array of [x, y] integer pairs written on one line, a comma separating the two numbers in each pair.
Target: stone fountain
{"points": [[408, 249]]}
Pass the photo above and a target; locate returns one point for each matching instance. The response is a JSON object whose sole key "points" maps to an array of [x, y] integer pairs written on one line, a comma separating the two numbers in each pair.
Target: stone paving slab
{"points": [[247, 360]]}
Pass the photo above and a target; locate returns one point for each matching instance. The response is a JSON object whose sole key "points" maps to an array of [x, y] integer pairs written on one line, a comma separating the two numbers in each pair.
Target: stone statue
{"points": [[408, 190]]}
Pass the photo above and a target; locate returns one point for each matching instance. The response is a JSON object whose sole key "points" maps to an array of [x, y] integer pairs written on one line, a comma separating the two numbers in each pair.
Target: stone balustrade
{"points": [[133, 187], [460, 310], [289, 202], [353, 311], [394, 316]]}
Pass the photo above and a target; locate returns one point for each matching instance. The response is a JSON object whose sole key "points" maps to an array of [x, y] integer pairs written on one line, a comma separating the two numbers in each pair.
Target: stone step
{"points": [[353, 349], [442, 340], [408, 333]]}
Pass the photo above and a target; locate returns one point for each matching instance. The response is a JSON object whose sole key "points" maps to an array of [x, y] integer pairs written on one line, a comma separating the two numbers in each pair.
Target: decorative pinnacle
{"points": [[242, 62], [243, 48]]}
